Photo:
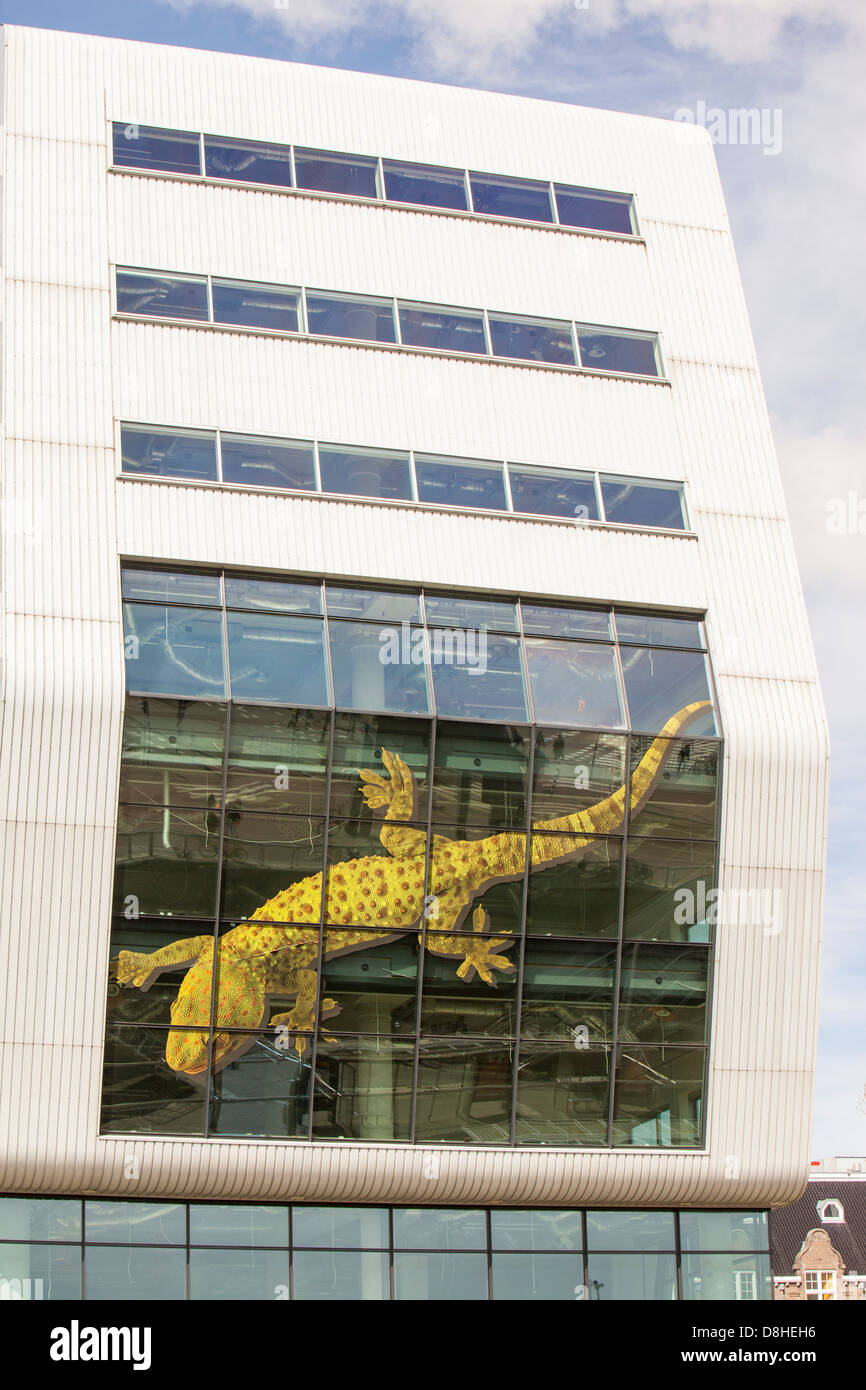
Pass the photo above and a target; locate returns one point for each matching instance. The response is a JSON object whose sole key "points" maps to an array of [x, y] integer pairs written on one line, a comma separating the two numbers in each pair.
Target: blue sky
{"points": [[797, 217]]}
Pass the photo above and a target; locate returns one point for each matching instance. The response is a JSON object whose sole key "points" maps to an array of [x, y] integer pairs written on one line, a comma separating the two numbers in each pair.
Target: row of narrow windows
{"points": [[363, 176]]}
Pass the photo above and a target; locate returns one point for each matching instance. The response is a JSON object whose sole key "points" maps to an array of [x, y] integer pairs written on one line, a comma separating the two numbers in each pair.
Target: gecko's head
{"points": [[239, 1005]]}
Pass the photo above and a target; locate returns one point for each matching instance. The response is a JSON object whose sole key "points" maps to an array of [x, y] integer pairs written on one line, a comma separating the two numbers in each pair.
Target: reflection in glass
{"points": [[460, 483], [455, 330], [276, 658], [263, 855], [483, 679], [173, 651], [617, 352], [375, 892], [359, 740], [164, 454], [663, 994], [371, 981], [363, 1089], [630, 1230], [276, 595], [277, 760], [264, 1092], [741, 1277], [659, 682], [443, 1277], [391, 605], [439, 1228], [657, 1097], [617, 1278], [135, 1223], [333, 1228], [365, 473], [522, 199], [142, 936], [174, 586], [357, 1275], [649, 630], [40, 1218], [669, 890], [424, 184], [211, 1223], [532, 340], [447, 611], [724, 1230], [683, 802], [350, 316], [172, 752], [535, 1230], [578, 207], [166, 861], [523, 1278], [141, 1094], [549, 621], [573, 770], [568, 991], [57, 1267], [353, 175], [149, 147], [248, 161], [215, 1275], [481, 776], [574, 683], [562, 1094], [579, 897], [452, 1007], [379, 668], [630, 503], [553, 492], [137, 1276], [464, 1091], [255, 306], [162, 296], [253, 462]]}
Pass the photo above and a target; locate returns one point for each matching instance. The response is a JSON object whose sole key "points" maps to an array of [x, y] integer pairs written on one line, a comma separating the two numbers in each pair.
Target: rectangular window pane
{"points": [[439, 1228], [333, 1228], [363, 1088], [724, 1230], [172, 752], [275, 595], [139, 1276], [580, 207], [464, 1091], [390, 604], [149, 147], [522, 199], [562, 1094], [551, 492], [267, 462], [481, 775], [351, 316], [53, 1271], [669, 890], [522, 1278], [471, 1008], [532, 340], [631, 355], [441, 1277], [574, 770], [659, 683], [535, 1230], [424, 184], [145, 1090], [264, 1090], [574, 683], [741, 1277], [40, 1218], [239, 1223], [168, 454], [255, 306], [425, 325], [568, 991], [647, 630], [173, 651], [480, 676], [630, 1230], [618, 1278], [365, 473], [683, 802], [565, 622], [353, 175], [658, 1095], [162, 296], [247, 161], [277, 760], [631, 503], [459, 483], [663, 994], [470, 612], [374, 988], [218, 1275], [276, 658], [166, 861], [135, 1223], [579, 897], [358, 1275], [376, 668], [174, 586]]}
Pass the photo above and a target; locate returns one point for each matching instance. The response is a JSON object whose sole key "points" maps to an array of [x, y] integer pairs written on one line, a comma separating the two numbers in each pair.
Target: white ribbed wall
{"points": [[69, 372]]}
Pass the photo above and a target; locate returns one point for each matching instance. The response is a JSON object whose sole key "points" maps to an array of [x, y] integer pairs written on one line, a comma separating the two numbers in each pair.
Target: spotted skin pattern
{"points": [[275, 953]]}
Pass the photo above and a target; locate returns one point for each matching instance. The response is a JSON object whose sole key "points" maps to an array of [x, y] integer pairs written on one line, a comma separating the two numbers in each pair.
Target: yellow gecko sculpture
{"points": [[378, 897]]}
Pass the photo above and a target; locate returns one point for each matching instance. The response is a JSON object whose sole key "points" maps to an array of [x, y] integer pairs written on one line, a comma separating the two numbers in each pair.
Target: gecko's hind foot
{"points": [[480, 950]]}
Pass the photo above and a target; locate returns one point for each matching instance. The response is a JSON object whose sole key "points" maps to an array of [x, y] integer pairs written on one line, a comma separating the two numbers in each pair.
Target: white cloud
{"points": [[456, 38]]}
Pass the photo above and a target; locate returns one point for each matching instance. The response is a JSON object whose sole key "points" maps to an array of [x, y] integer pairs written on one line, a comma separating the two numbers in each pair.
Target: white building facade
{"points": [[324, 362]]}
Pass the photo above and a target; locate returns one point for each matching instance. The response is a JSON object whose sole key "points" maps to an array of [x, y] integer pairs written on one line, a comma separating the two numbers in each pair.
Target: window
{"points": [[169, 454], [365, 473], [255, 306], [424, 185], [270, 722], [147, 147], [425, 325], [277, 463], [460, 483], [618, 352], [350, 316], [820, 1284], [581, 207], [162, 296], [248, 162], [352, 175], [553, 492], [520, 199], [830, 1211], [632, 502], [532, 340]]}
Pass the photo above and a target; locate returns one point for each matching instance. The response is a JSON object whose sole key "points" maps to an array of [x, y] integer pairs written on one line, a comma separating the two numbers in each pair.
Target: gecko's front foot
{"points": [[396, 791], [301, 1020], [479, 951], [131, 968]]}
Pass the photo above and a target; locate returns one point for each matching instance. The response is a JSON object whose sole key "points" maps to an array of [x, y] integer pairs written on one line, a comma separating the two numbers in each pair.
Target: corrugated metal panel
{"points": [[62, 718]]}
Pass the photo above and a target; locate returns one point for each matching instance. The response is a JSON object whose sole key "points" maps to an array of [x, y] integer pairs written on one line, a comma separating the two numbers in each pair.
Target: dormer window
{"points": [[830, 1210]]}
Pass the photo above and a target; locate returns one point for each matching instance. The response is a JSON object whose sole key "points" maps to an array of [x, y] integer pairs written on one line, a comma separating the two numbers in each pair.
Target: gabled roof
{"points": [[790, 1225]]}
